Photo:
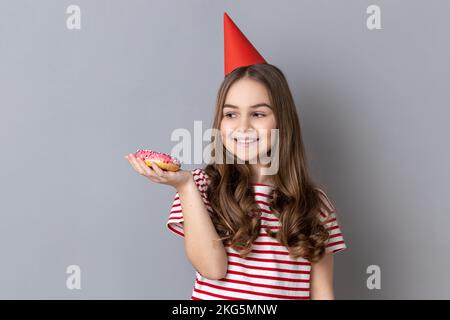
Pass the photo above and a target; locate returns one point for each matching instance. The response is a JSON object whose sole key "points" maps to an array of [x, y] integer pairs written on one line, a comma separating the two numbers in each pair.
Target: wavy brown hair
{"points": [[295, 199]]}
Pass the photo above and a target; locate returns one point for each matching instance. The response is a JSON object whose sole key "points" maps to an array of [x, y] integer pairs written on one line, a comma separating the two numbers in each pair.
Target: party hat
{"points": [[238, 51]]}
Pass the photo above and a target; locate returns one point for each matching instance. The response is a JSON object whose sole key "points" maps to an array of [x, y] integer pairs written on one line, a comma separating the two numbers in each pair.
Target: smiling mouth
{"points": [[245, 142]]}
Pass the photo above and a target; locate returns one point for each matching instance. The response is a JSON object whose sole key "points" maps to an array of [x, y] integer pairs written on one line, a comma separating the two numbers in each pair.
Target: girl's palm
{"points": [[156, 174]]}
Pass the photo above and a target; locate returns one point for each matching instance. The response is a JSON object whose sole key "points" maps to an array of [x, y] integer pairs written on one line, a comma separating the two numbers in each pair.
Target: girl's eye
{"points": [[234, 115], [230, 115]]}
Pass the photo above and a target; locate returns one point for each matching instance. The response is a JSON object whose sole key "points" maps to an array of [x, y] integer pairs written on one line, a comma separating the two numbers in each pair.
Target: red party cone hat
{"points": [[238, 51]]}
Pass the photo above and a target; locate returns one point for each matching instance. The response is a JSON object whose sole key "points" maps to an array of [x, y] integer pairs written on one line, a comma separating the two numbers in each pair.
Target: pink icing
{"points": [[153, 155]]}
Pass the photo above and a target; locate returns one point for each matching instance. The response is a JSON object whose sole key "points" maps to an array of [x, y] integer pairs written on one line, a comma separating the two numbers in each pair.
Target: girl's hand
{"points": [[156, 174]]}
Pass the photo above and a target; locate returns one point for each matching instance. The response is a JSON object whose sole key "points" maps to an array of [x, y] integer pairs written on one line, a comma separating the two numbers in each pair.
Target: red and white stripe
{"points": [[268, 272]]}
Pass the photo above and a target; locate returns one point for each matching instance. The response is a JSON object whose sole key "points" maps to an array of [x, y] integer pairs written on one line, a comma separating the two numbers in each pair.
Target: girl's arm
{"points": [[322, 278], [207, 255]]}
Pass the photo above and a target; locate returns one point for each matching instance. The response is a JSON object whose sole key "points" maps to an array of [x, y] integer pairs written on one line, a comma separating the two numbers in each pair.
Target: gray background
{"points": [[373, 108]]}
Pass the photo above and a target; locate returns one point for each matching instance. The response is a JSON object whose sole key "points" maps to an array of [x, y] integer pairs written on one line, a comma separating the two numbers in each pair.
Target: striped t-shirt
{"points": [[268, 272]]}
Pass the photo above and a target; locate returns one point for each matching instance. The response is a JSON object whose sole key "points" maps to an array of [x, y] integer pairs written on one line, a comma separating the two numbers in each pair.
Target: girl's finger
{"points": [[132, 161], [144, 167], [159, 172], [140, 168]]}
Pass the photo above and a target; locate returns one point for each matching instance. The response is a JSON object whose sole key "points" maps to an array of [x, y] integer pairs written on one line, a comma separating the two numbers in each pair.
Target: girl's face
{"points": [[247, 120]]}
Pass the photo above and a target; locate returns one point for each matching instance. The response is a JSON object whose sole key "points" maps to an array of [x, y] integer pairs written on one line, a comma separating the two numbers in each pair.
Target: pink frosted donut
{"points": [[162, 160]]}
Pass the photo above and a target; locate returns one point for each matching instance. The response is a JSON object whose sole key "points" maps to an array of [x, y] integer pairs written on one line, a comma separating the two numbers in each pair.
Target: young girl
{"points": [[250, 235]]}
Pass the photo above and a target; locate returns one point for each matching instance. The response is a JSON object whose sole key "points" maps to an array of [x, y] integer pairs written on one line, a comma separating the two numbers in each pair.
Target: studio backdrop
{"points": [[83, 83]]}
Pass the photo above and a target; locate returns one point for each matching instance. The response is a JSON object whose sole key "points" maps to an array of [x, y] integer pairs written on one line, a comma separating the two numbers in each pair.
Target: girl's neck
{"points": [[259, 178]]}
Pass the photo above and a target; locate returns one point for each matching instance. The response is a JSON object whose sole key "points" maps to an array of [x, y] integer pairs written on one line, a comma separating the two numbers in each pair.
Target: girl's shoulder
{"points": [[201, 179], [327, 208]]}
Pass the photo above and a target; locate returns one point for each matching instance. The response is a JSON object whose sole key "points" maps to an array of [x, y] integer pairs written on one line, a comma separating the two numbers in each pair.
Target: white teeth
{"points": [[246, 141]]}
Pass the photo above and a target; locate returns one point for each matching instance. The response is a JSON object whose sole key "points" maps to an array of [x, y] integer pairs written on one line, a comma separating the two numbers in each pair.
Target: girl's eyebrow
{"points": [[254, 106]]}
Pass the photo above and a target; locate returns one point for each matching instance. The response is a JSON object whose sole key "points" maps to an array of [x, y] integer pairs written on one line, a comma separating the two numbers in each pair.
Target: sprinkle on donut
{"points": [[162, 160]]}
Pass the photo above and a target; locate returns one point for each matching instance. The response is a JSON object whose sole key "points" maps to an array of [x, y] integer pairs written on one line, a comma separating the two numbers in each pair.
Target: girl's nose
{"points": [[244, 124]]}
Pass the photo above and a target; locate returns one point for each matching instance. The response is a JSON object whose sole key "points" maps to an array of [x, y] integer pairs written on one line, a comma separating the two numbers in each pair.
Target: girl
{"points": [[250, 235]]}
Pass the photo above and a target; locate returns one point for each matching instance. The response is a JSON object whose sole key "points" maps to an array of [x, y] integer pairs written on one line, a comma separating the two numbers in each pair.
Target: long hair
{"points": [[295, 199]]}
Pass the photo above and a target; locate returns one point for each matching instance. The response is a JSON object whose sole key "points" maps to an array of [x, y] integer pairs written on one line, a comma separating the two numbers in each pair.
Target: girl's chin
{"points": [[252, 157]]}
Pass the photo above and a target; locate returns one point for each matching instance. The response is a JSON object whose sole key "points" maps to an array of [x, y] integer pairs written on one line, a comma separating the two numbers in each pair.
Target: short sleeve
{"points": [[328, 218], [175, 220]]}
